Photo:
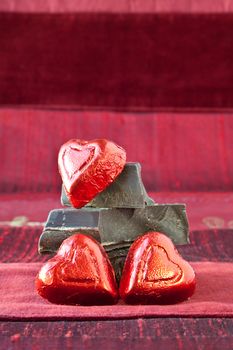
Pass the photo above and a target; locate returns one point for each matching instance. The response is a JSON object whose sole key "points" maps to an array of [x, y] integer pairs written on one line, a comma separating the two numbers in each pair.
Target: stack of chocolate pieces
{"points": [[115, 216]]}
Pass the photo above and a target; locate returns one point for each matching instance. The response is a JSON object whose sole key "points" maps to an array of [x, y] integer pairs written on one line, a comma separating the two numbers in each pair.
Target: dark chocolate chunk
{"points": [[62, 223], [114, 227], [127, 191]]}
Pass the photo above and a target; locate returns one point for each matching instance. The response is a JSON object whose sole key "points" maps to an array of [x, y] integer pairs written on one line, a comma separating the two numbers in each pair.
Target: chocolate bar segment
{"points": [[63, 223], [114, 227], [127, 191], [128, 224]]}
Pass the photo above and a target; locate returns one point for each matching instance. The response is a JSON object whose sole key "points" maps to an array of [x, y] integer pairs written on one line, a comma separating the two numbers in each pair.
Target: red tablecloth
{"points": [[19, 300]]}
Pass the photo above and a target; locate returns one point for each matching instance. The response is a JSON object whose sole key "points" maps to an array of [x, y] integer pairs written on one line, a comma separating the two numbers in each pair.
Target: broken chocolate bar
{"points": [[113, 226], [127, 191], [115, 229]]}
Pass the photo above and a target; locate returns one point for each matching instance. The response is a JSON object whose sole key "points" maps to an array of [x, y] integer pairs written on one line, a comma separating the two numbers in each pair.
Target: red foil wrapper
{"points": [[155, 273], [87, 168], [79, 274]]}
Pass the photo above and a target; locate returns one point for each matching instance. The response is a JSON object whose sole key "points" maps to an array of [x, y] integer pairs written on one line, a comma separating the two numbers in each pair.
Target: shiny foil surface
{"points": [[87, 168], [80, 274], [155, 273]]}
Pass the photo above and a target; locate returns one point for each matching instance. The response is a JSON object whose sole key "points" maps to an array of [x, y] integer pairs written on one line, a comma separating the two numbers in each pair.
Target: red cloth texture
{"points": [[177, 152], [140, 61], [18, 298], [120, 6], [20, 263]]}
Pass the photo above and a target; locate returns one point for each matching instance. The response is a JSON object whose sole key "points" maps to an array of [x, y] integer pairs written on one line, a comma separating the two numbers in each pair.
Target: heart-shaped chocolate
{"points": [[155, 273], [87, 168], [80, 273]]}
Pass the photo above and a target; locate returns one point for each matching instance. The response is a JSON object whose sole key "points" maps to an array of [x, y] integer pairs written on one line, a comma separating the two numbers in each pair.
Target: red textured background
{"points": [[130, 61], [154, 76], [121, 6], [178, 152]]}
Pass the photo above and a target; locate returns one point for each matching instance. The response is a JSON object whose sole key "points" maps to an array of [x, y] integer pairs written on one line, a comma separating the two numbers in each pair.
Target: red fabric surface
{"points": [[128, 6], [135, 334], [139, 61], [212, 297], [177, 152]]}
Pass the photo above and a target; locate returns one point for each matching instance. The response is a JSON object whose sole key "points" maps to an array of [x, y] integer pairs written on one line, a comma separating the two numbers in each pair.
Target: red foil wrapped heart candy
{"points": [[80, 273], [155, 273], [87, 168]]}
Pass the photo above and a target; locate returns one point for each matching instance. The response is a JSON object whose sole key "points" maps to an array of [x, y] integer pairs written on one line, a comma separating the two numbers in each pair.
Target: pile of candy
{"points": [[111, 233]]}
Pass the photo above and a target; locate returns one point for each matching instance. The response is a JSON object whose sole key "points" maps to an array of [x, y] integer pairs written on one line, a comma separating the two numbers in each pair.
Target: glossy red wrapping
{"points": [[155, 273], [79, 274], [87, 168]]}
